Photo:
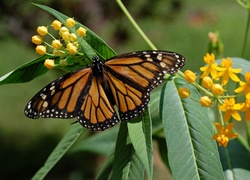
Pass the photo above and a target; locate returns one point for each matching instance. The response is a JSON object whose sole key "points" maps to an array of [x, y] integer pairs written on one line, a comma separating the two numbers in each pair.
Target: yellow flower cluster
{"points": [[214, 79], [67, 44]]}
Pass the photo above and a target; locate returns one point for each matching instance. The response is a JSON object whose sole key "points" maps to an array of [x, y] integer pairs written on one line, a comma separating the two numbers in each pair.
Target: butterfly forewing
{"points": [[132, 76], [61, 98]]}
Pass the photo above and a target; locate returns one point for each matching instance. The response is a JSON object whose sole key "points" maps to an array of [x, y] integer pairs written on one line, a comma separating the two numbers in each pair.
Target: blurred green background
{"points": [[174, 25]]}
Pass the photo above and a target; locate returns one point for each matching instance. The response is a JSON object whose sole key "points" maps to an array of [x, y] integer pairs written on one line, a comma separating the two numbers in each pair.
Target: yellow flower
{"points": [[56, 44], [72, 48], [207, 82], [81, 31], [231, 109], [56, 25], [246, 107], [211, 66], [244, 86], [223, 135], [37, 39], [42, 30], [183, 92], [70, 22], [49, 63], [217, 89], [226, 71], [189, 76], [205, 101], [41, 50]]}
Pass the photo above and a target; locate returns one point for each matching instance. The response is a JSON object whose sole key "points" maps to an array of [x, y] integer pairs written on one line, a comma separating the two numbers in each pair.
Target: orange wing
{"points": [[96, 112], [132, 76], [61, 98]]}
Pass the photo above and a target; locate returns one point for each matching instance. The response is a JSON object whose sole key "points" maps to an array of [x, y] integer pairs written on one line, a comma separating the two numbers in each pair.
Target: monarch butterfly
{"points": [[90, 93]]}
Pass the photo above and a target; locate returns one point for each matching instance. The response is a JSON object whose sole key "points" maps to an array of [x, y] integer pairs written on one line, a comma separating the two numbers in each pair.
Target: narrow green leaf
{"points": [[235, 160], [63, 146], [127, 164], [140, 133], [192, 153], [101, 143], [99, 46], [25, 72]]}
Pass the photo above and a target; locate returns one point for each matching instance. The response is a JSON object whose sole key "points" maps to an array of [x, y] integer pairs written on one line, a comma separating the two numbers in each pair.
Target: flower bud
{"points": [[56, 25], [72, 49], [58, 52], [189, 76], [41, 50], [205, 101], [184, 92], [207, 82], [72, 37], [70, 22], [42, 30], [217, 89], [62, 30], [56, 44], [49, 63], [37, 39], [66, 36], [63, 63], [81, 31]]}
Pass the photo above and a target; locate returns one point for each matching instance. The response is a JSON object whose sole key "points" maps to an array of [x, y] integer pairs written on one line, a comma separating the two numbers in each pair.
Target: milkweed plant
{"points": [[192, 117]]}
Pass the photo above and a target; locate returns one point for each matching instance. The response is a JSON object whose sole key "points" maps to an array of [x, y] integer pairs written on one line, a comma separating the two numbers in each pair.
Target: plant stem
{"points": [[246, 34], [248, 134], [138, 29]]}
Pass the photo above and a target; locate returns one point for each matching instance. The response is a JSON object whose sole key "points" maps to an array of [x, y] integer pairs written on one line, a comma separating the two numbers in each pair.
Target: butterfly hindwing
{"points": [[130, 101], [61, 98], [96, 112]]}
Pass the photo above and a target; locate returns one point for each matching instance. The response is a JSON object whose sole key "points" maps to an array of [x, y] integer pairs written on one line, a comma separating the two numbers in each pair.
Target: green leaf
{"points": [[98, 45], [235, 160], [101, 143], [127, 164], [188, 131], [63, 146], [26, 72], [140, 133]]}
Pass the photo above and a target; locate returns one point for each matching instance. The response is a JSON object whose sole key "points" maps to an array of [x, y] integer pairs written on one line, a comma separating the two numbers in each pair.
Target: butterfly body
{"points": [[90, 94]]}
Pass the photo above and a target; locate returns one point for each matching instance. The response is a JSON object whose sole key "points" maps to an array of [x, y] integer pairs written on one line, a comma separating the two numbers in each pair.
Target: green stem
{"points": [[248, 134], [246, 34], [139, 30]]}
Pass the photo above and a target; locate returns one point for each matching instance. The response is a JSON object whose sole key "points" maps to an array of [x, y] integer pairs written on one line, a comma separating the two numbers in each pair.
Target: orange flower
{"points": [[231, 109], [244, 86], [223, 135], [246, 107]]}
